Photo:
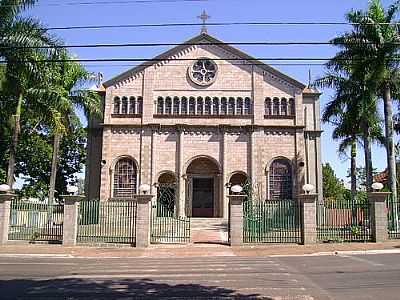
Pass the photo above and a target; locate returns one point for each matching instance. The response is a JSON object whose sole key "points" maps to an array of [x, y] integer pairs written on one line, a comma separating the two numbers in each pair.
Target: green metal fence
{"points": [[271, 221], [36, 222], [393, 218], [343, 221], [107, 222], [166, 227]]}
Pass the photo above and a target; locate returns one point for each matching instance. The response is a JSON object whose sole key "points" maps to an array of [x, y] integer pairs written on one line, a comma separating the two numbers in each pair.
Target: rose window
{"points": [[203, 71]]}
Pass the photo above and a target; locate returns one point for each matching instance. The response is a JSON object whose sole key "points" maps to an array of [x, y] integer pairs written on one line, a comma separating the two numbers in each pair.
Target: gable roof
{"points": [[205, 39]]}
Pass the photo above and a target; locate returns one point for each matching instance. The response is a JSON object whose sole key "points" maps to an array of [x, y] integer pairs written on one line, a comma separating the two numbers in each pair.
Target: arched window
{"points": [[268, 107], [239, 108], [292, 107], [280, 180], [276, 107], [124, 107], [224, 106], [117, 103], [177, 104], [184, 104], [125, 176], [207, 106], [139, 105], [231, 106], [166, 195], [200, 105], [284, 107], [215, 106], [160, 105], [192, 106], [247, 106], [238, 178], [132, 105], [168, 106]]}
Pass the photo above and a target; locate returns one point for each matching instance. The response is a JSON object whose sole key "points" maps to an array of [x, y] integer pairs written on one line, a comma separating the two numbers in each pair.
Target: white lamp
{"points": [[72, 189], [308, 188], [377, 186], [236, 189], [4, 188], [144, 188]]}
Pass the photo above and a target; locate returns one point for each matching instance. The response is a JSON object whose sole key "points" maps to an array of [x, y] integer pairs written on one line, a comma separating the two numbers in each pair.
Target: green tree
{"points": [[333, 188]]}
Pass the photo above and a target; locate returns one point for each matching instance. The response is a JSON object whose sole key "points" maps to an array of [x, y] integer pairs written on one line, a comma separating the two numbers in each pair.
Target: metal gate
{"points": [[271, 221], [343, 221], [166, 226], [393, 218], [107, 222]]}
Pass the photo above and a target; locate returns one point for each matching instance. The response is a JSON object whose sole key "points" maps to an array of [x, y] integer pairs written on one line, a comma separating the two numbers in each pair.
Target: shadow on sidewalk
{"points": [[115, 289]]}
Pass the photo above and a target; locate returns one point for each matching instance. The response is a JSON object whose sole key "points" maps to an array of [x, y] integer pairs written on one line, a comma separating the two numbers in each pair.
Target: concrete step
{"points": [[209, 223]]}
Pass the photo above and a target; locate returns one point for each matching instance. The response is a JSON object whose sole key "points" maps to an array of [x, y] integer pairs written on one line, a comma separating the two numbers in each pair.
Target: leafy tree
{"points": [[333, 188]]}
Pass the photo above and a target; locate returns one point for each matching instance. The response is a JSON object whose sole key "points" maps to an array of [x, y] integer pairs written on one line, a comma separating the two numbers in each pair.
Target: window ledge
{"points": [[126, 115], [279, 117], [202, 116]]}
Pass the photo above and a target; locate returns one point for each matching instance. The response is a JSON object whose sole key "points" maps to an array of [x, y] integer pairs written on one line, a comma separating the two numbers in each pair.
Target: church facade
{"points": [[201, 117]]}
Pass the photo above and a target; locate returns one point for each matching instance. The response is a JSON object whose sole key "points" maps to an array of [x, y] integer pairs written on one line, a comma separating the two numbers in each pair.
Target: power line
{"points": [[176, 65], [117, 26], [117, 2]]}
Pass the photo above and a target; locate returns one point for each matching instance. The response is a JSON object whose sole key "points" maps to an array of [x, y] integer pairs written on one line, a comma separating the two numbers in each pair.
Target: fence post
{"points": [[236, 219], [71, 213], [308, 218], [5, 203], [143, 220], [378, 216]]}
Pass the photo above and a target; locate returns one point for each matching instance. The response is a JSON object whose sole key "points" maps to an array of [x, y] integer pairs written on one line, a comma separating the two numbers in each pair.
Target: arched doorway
{"points": [[203, 188], [238, 178], [166, 194]]}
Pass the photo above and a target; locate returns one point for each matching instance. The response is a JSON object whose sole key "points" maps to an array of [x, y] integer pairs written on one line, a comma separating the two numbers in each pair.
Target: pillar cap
{"points": [[378, 196], [237, 198], [144, 198], [6, 196], [73, 198], [308, 198]]}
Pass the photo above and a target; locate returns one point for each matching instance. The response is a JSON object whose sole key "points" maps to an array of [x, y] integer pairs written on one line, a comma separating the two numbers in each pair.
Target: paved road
{"points": [[303, 278]]}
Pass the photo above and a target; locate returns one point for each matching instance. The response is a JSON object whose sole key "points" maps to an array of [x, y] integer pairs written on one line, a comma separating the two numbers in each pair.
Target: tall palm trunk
{"points": [[53, 175], [391, 160], [367, 157], [353, 176], [14, 142]]}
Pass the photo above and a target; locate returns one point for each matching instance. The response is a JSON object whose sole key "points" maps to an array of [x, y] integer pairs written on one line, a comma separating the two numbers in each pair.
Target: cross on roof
{"points": [[204, 17]]}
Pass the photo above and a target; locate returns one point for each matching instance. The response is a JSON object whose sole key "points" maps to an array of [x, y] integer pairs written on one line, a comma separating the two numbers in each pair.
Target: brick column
{"points": [[236, 219], [143, 220], [70, 225], [378, 216], [308, 218], [5, 203]]}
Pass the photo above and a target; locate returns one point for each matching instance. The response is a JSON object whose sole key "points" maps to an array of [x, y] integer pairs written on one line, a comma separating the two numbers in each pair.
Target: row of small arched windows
{"points": [[203, 106], [279, 179], [279, 107], [125, 105]]}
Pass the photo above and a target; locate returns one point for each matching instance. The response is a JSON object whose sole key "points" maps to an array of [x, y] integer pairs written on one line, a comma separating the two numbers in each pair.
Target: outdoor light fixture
{"points": [[144, 188], [236, 189], [308, 188], [4, 188], [377, 186], [72, 189]]}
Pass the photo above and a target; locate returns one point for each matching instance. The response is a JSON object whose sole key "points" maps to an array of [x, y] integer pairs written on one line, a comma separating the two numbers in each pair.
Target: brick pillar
{"points": [[143, 220], [70, 225], [308, 218], [5, 202], [378, 216], [236, 219]]}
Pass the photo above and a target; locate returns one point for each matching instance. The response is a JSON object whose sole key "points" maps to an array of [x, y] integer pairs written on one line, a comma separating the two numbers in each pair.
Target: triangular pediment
{"points": [[202, 39]]}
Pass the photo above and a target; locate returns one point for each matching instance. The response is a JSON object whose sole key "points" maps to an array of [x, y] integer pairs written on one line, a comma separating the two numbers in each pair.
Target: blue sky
{"points": [[68, 13]]}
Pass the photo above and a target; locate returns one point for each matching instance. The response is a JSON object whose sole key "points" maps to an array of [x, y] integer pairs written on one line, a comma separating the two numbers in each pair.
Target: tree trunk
{"points": [[14, 142], [353, 176], [53, 175], [368, 158], [391, 159]]}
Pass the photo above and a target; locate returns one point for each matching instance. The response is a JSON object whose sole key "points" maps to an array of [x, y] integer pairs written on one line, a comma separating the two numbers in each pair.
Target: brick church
{"points": [[201, 117]]}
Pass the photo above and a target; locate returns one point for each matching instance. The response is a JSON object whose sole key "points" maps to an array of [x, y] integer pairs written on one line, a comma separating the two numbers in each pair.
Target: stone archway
{"points": [[203, 188]]}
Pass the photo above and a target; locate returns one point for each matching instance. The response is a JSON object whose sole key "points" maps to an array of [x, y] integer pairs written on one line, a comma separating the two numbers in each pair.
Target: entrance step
{"points": [[209, 230]]}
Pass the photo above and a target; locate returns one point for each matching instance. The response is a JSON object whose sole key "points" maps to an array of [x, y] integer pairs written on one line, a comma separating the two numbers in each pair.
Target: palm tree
{"points": [[373, 46], [19, 39]]}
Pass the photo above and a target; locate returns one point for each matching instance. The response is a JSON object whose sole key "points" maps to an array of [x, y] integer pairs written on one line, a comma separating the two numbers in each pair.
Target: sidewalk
{"points": [[192, 250]]}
